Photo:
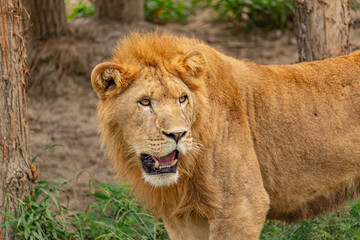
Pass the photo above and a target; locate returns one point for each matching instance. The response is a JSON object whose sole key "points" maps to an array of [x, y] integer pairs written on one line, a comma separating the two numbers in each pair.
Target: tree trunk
{"points": [[323, 28], [47, 17], [126, 10], [15, 177]]}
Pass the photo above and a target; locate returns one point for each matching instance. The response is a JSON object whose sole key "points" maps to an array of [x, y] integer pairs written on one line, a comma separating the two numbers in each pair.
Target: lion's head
{"points": [[150, 108]]}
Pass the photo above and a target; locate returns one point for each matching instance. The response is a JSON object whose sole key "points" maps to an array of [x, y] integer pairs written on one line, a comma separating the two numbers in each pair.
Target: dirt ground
{"points": [[69, 121]]}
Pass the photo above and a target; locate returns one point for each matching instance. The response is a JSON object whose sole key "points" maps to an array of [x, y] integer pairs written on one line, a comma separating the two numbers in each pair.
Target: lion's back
{"points": [[305, 120]]}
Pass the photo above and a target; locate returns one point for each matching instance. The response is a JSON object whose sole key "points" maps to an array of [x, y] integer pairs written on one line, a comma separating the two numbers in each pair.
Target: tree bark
{"points": [[323, 28], [15, 177], [125, 10], [47, 18]]}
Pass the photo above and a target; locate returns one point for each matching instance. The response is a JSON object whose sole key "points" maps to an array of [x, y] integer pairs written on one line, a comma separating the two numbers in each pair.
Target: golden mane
{"points": [[190, 194], [150, 49]]}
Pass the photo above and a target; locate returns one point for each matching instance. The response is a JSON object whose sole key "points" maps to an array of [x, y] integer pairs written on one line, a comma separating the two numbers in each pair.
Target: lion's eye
{"points": [[183, 99], [145, 102]]}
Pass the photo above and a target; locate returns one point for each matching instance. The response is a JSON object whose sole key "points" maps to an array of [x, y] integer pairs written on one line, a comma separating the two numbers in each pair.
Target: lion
{"points": [[215, 145]]}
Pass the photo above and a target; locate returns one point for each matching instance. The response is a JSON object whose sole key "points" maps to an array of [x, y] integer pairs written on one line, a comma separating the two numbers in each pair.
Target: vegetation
{"points": [[113, 214], [157, 11], [82, 9], [265, 14], [344, 224], [162, 11], [41, 216], [116, 215], [250, 13]]}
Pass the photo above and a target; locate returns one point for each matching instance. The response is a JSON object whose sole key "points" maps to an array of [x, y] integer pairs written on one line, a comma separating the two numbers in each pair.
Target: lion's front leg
{"points": [[189, 229], [241, 220]]}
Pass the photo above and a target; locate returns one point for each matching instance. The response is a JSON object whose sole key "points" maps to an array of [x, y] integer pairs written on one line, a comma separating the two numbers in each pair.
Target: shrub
{"points": [[82, 9], [162, 11], [256, 13], [41, 216], [114, 214]]}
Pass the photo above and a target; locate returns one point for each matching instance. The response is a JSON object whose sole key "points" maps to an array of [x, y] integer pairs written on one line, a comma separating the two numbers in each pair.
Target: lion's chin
{"points": [[161, 180]]}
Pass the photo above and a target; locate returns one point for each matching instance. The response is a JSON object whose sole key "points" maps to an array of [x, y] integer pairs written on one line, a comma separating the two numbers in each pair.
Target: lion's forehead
{"points": [[159, 86]]}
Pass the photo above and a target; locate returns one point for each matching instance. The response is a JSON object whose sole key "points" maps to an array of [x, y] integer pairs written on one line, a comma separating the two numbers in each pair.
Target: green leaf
{"points": [[52, 196], [100, 195], [44, 149]]}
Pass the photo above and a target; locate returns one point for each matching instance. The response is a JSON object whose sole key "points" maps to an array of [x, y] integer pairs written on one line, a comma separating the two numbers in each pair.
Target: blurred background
{"points": [[67, 38]]}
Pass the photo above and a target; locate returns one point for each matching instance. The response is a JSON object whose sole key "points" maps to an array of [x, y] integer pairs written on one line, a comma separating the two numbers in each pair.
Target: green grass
{"points": [[41, 216], [114, 214], [344, 224]]}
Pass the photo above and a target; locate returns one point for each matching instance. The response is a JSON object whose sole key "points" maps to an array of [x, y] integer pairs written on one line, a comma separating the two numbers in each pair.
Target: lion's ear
{"points": [[194, 63], [106, 77]]}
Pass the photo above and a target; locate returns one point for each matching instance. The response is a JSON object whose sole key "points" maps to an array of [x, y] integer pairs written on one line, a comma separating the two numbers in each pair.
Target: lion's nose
{"points": [[175, 135]]}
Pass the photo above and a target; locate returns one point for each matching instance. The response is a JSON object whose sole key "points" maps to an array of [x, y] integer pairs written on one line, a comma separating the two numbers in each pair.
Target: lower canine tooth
{"points": [[157, 164], [173, 163]]}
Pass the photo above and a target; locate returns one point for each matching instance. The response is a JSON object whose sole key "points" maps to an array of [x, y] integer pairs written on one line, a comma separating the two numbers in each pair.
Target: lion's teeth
{"points": [[173, 163], [157, 165]]}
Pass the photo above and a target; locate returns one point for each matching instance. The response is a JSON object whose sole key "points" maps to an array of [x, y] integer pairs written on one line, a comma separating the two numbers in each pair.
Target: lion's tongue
{"points": [[166, 160]]}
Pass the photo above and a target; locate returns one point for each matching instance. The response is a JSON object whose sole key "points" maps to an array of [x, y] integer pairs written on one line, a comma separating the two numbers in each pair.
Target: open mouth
{"points": [[165, 164]]}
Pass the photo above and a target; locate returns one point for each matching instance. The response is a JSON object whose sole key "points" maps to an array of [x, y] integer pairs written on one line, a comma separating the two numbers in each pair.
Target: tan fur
{"points": [[279, 142]]}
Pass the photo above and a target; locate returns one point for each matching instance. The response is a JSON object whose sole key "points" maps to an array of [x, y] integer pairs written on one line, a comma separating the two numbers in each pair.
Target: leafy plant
{"points": [[255, 13], [162, 11], [41, 216], [82, 9], [114, 214]]}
